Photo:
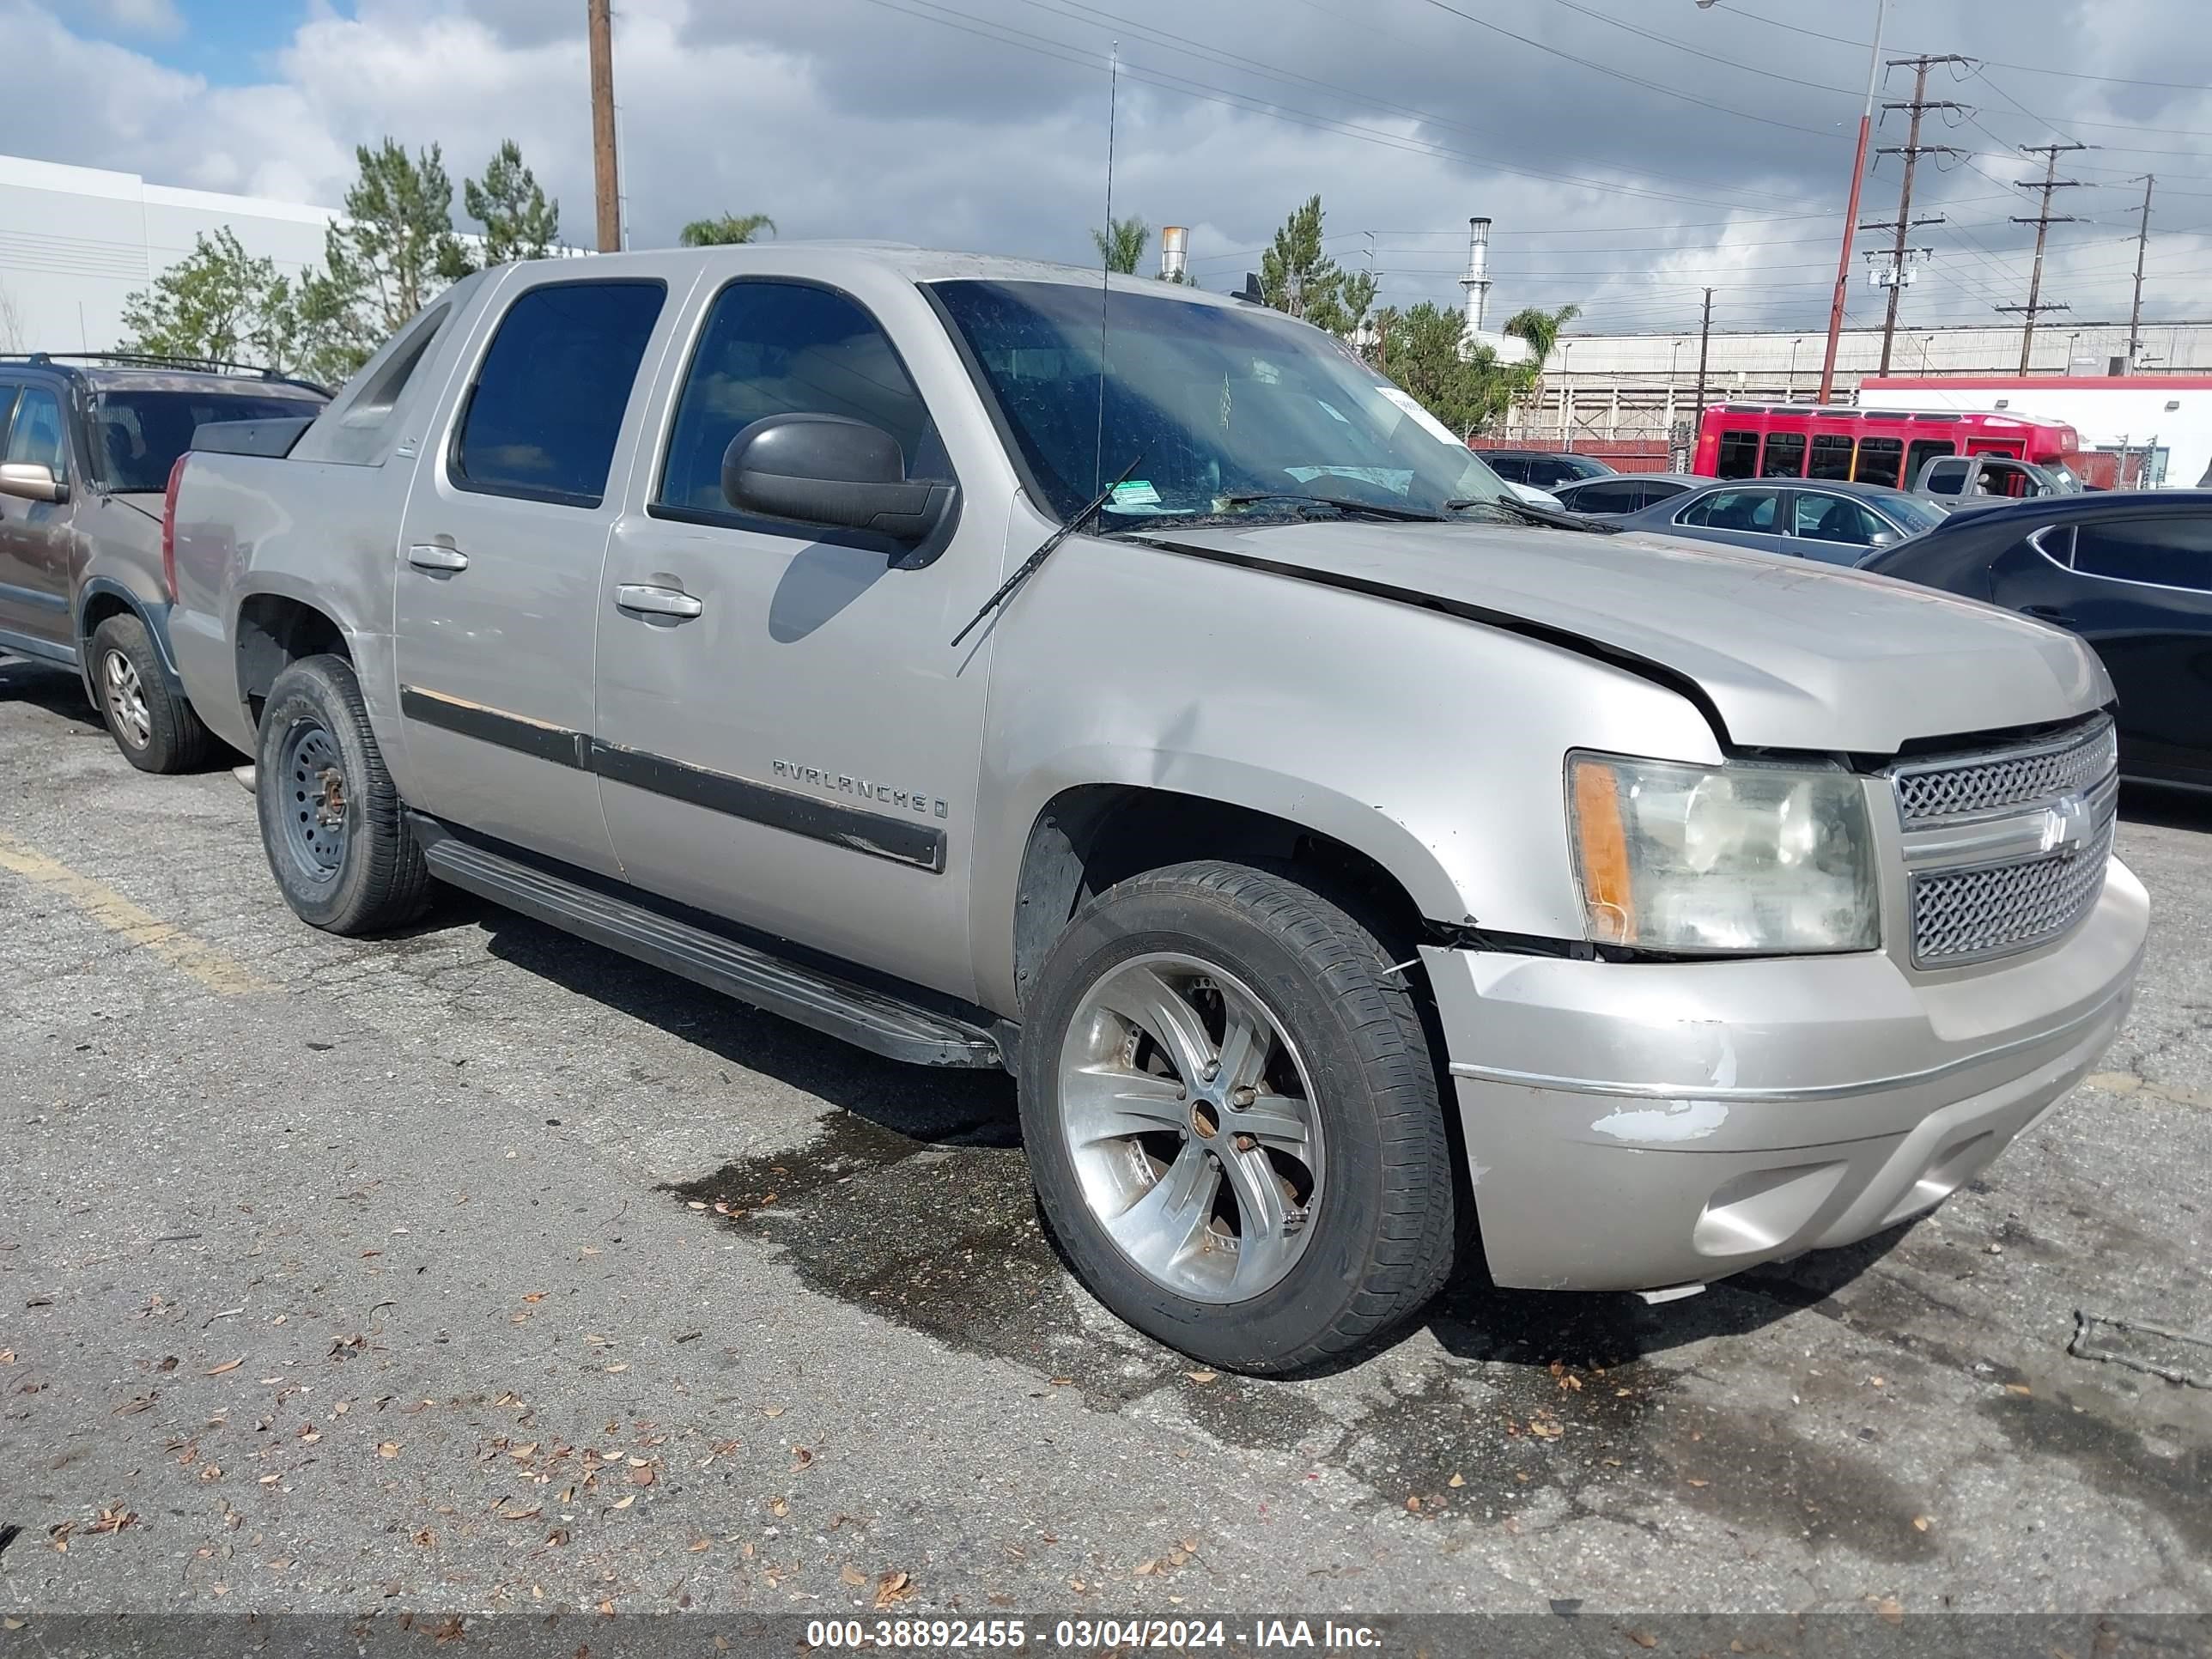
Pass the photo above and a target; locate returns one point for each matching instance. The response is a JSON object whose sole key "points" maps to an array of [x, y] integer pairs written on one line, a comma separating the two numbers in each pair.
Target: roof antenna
{"points": [[1106, 259]]}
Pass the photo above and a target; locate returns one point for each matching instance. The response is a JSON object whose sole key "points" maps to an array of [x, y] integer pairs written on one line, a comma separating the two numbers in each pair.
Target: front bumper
{"points": [[1638, 1126]]}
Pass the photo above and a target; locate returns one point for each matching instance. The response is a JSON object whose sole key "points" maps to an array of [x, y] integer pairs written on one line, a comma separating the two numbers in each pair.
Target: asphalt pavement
{"points": [[481, 1269]]}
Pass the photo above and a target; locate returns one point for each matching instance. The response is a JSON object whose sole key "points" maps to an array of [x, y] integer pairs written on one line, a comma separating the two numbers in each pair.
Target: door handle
{"points": [[2050, 613], [650, 600], [436, 555]]}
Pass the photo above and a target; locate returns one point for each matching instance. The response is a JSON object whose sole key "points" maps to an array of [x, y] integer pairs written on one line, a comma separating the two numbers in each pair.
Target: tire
{"points": [[332, 824], [150, 721], [1346, 1065]]}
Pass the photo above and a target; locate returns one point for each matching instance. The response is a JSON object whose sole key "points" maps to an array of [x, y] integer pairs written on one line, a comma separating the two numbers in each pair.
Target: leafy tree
{"points": [[728, 231], [1345, 307], [1122, 245], [395, 245], [1295, 275], [519, 222], [218, 301], [1426, 351]]}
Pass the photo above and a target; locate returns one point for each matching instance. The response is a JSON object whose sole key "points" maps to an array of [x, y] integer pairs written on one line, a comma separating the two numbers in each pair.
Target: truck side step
{"points": [[875, 1020]]}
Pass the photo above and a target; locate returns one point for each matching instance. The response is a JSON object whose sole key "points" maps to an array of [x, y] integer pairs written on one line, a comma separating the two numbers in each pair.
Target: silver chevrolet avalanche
{"points": [[1129, 687]]}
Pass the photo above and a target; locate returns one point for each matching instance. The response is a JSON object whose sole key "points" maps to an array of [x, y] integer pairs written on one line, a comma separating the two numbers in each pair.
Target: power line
{"points": [[2025, 69], [1622, 75]]}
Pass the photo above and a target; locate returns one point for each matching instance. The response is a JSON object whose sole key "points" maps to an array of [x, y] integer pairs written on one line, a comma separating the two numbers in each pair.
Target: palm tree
{"points": [[1121, 244], [1541, 328], [728, 231]]}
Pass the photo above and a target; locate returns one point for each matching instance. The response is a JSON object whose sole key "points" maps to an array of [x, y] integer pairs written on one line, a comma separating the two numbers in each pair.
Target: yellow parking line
{"points": [[216, 971]]}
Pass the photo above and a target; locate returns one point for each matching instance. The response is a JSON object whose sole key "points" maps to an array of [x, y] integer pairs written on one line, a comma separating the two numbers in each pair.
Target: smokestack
{"points": [[1477, 280], [1174, 247]]}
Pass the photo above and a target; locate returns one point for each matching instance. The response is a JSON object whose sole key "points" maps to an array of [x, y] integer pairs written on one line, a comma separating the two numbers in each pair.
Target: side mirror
{"points": [[830, 470], [33, 481]]}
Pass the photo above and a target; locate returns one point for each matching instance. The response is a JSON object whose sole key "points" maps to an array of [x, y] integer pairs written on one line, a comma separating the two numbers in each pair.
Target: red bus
{"points": [[1869, 446]]}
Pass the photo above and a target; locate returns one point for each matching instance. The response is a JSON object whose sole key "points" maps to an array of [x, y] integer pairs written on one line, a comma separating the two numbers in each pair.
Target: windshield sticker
{"points": [[1135, 492], [1396, 480], [1333, 412], [1428, 423]]}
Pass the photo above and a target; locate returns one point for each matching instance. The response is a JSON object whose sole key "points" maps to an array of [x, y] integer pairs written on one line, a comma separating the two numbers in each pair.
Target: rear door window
{"points": [[1733, 509], [1831, 457], [548, 403], [1880, 460], [1820, 517], [1783, 456], [1739, 455], [2173, 550], [1946, 478]]}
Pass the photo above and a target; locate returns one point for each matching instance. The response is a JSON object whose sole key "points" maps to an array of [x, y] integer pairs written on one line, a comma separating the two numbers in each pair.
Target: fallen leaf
{"points": [[1146, 1569], [852, 1575], [425, 1538], [779, 1508], [227, 1365], [1891, 1610], [640, 1477], [623, 1367], [1920, 1523], [8, 1357], [1456, 1480], [698, 1544], [534, 1295], [1642, 1638], [801, 1458], [530, 1514], [2018, 1388], [1701, 1483], [771, 1410], [1061, 1381], [1414, 1504], [624, 1501], [113, 1519], [388, 1449], [893, 1587], [133, 1407], [1202, 1377]]}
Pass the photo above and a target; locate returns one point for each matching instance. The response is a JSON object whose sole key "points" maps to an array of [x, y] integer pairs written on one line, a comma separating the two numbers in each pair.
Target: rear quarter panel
{"points": [[324, 534]]}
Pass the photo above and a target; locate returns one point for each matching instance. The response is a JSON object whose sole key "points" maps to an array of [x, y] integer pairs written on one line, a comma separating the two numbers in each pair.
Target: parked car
{"points": [[1976, 483], [1192, 738], [89, 441], [1833, 523], [1545, 469], [1614, 493], [2131, 572]]}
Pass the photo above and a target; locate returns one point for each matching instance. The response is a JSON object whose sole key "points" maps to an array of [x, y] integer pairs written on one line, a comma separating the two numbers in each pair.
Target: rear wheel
{"points": [[1232, 1119], [151, 723], [332, 824]]}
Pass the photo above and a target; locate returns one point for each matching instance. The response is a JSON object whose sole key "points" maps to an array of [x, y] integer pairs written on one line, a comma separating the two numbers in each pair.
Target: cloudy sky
{"points": [[1630, 152]]}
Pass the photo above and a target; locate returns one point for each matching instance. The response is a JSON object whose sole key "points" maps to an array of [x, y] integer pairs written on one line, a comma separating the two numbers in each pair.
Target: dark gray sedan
{"points": [[1835, 523]]}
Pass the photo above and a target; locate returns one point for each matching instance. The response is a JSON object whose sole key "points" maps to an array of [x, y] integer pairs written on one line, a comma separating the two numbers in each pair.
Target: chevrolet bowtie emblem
{"points": [[2066, 825]]}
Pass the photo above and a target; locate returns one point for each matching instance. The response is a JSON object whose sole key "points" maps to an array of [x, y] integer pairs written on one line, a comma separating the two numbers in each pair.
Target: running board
{"points": [[874, 1020]]}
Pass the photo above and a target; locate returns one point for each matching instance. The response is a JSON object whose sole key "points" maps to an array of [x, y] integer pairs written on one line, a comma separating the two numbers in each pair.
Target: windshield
{"points": [[137, 435], [1215, 404]]}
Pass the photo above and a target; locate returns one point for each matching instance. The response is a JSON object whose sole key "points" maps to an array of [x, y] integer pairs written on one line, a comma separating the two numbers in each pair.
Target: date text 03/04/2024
{"points": [[1173, 1634]]}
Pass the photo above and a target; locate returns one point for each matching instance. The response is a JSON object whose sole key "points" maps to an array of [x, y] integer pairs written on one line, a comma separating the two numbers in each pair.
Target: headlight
{"points": [[1716, 859]]}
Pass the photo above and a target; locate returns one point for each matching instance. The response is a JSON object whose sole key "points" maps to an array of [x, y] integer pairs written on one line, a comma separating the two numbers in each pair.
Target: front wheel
{"points": [[1232, 1119], [332, 825]]}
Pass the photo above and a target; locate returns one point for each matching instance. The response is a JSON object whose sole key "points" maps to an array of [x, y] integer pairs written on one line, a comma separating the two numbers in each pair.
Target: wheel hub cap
{"points": [[126, 699], [1190, 1114]]}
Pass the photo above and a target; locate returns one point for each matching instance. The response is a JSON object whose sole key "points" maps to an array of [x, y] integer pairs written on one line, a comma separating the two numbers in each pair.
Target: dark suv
{"points": [[1543, 469], [88, 444]]}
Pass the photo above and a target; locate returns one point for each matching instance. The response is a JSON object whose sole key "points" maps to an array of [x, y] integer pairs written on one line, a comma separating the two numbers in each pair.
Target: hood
{"points": [[1788, 653]]}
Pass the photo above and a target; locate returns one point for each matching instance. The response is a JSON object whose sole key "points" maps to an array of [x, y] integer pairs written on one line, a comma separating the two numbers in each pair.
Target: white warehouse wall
{"points": [[75, 241]]}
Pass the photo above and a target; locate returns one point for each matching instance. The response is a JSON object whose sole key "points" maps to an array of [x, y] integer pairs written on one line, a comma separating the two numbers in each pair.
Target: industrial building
{"points": [[74, 242]]}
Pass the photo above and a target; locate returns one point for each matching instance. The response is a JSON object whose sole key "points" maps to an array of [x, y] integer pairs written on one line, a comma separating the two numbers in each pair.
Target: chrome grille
{"points": [[1959, 915], [1932, 791]]}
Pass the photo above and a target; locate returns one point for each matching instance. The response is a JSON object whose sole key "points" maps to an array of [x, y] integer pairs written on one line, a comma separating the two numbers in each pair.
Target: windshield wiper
{"points": [[1028, 567], [1529, 513], [1344, 504]]}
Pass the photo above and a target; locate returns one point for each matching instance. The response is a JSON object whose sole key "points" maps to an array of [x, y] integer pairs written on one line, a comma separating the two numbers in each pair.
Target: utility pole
{"points": [[1704, 346], [2043, 222], [1912, 149], [600, 26], [2143, 241], [1850, 211]]}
